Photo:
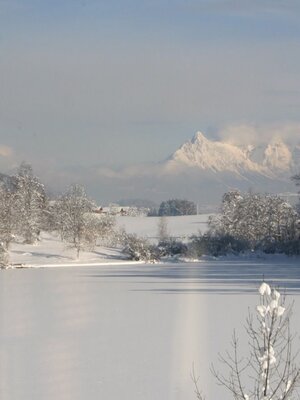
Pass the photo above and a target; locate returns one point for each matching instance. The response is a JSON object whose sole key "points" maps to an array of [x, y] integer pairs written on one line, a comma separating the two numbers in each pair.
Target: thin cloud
{"points": [[246, 7], [6, 151], [252, 134], [8, 159]]}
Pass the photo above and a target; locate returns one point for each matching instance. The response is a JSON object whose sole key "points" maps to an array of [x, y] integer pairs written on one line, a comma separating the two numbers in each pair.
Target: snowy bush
{"points": [[215, 245], [138, 248], [168, 246], [269, 372], [171, 247]]}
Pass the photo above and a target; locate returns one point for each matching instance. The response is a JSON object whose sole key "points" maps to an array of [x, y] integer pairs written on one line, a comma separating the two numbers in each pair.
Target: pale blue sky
{"points": [[92, 82]]}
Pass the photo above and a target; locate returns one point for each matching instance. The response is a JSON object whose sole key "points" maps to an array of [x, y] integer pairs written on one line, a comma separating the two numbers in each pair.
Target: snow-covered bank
{"points": [[74, 264], [50, 251]]}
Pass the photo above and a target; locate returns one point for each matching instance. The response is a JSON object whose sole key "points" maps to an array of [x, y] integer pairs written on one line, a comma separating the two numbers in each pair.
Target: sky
{"points": [[88, 83]]}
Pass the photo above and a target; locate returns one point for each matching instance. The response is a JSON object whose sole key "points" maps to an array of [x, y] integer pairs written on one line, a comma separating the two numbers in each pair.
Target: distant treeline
{"points": [[174, 207]]}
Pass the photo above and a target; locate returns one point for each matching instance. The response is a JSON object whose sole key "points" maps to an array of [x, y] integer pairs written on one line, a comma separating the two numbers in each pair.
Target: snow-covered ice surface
{"points": [[127, 331], [109, 328]]}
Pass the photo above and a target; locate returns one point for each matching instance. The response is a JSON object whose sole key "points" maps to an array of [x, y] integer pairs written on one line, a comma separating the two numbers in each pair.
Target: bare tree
{"points": [[99, 229], [162, 229], [269, 372]]}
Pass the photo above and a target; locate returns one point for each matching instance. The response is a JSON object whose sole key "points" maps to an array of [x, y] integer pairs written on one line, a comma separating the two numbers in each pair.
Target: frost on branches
{"points": [[77, 224], [7, 216], [262, 222], [269, 372], [30, 202]]}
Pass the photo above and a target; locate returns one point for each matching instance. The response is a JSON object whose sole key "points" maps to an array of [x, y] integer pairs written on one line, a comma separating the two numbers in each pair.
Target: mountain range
{"points": [[202, 170], [271, 160]]}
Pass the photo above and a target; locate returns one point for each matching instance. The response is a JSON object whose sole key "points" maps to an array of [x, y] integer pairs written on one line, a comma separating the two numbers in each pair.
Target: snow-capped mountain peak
{"points": [[199, 138], [216, 156], [272, 159]]}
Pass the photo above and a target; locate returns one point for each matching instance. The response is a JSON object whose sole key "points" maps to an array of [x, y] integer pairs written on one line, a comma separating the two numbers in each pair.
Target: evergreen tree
{"points": [[175, 207]]}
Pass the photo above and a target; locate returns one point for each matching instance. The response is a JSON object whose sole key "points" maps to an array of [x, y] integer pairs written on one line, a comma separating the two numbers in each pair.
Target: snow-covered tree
{"points": [[260, 220], [29, 203], [74, 220], [269, 371], [226, 222], [7, 216], [99, 228], [7, 224]]}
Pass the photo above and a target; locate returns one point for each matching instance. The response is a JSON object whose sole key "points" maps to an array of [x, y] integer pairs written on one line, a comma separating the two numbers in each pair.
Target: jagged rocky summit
{"points": [[270, 160]]}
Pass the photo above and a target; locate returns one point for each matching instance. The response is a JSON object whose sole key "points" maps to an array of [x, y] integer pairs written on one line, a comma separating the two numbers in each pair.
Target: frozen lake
{"points": [[129, 332]]}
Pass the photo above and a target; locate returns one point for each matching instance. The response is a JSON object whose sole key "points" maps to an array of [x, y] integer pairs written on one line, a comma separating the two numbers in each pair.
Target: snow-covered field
{"points": [[114, 331], [180, 227], [50, 251]]}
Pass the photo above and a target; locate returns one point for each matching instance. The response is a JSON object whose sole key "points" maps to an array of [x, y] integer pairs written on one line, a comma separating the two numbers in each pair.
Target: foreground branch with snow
{"points": [[269, 372]]}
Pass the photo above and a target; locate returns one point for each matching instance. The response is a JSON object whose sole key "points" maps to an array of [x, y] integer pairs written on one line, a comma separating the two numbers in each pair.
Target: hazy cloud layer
{"points": [[255, 134], [100, 85], [8, 159], [139, 103], [245, 7], [5, 151]]}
